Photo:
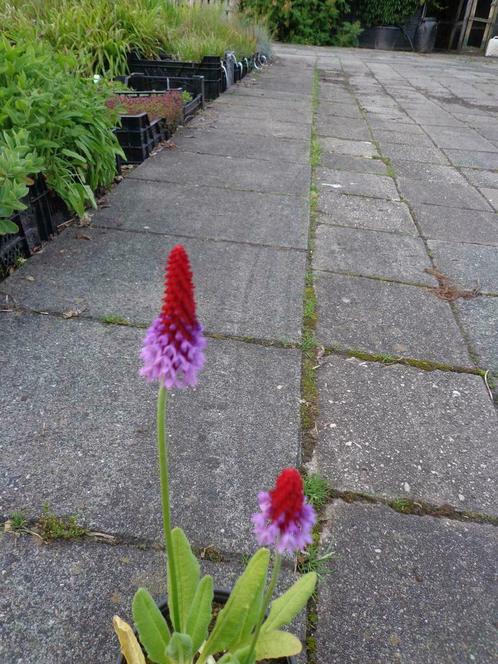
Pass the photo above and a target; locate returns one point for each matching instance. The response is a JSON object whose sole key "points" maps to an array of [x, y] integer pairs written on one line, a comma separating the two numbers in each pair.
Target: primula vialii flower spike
{"points": [[286, 519], [173, 347]]}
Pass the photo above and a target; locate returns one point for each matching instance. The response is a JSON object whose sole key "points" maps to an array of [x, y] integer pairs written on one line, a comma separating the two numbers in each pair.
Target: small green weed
{"points": [[52, 527], [313, 561], [18, 521], [316, 490], [114, 319]]}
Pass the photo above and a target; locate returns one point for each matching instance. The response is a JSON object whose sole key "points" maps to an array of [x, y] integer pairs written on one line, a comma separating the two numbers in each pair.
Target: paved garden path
{"points": [[386, 376]]}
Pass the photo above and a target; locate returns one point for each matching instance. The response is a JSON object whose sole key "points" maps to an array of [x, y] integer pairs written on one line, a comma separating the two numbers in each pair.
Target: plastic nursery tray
{"points": [[138, 136], [191, 108], [212, 68], [141, 82], [35, 224]]}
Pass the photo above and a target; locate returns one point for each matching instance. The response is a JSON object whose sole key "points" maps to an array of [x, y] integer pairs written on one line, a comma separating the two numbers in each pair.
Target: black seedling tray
{"points": [[191, 108], [210, 68], [141, 82], [35, 224]]}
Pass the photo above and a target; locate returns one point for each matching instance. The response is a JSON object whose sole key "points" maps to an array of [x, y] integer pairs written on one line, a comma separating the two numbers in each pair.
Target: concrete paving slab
{"points": [[371, 254], [424, 154], [258, 123], [457, 225], [369, 213], [121, 273], [364, 184], [328, 110], [472, 159], [479, 320], [396, 431], [402, 138], [239, 114], [419, 192], [233, 144], [387, 318], [78, 432], [90, 582], [352, 148], [405, 126], [469, 265], [347, 128], [481, 178], [210, 212], [459, 138], [250, 103], [344, 162], [417, 170], [406, 589], [226, 172], [491, 195]]}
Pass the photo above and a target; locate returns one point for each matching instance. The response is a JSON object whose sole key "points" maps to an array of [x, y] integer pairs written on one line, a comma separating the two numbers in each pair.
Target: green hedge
{"points": [[319, 22]]}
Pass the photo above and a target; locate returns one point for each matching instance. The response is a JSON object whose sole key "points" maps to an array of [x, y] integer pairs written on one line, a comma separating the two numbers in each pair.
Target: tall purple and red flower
{"points": [[286, 519], [173, 347]]}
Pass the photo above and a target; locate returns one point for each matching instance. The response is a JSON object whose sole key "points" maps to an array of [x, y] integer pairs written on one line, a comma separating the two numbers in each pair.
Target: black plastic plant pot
{"points": [[384, 37], [220, 597], [425, 36]]}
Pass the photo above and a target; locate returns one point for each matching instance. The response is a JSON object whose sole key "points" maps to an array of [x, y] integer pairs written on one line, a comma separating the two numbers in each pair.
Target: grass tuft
{"points": [[114, 319], [53, 527], [316, 490]]}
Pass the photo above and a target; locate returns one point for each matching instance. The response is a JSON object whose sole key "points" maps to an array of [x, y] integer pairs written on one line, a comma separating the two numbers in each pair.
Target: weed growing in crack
{"points": [[18, 521], [316, 490], [313, 560], [53, 527], [114, 319]]}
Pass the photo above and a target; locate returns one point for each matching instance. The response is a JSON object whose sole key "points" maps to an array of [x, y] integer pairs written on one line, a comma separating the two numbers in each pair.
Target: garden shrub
{"points": [[64, 120], [385, 12], [319, 22]]}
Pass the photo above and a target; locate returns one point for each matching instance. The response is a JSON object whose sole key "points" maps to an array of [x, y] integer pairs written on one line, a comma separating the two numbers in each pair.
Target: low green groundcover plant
{"points": [[318, 22], [52, 122], [167, 106], [247, 628]]}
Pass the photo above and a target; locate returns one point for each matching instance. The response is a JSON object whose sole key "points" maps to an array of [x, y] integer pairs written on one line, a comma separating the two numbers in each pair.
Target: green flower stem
{"points": [[164, 475], [275, 573]]}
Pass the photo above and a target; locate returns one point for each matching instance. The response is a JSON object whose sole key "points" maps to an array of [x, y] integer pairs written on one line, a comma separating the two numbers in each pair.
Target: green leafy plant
{"points": [[318, 22], [101, 34], [65, 121], [385, 12], [17, 164], [172, 355]]}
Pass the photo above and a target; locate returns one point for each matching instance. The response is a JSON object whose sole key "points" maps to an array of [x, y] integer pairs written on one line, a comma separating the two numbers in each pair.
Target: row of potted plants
{"points": [[75, 129]]}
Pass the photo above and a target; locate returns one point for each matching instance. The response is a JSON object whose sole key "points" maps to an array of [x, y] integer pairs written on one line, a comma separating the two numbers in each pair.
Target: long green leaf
{"points": [[200, 613], [231, 618], [275, 644], [287, 606], [188, 575], [180, 648], [151, 626]]}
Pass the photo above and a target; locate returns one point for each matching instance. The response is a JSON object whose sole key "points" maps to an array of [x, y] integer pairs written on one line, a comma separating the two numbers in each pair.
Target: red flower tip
{"points": [[178, 310], [287, 498]]}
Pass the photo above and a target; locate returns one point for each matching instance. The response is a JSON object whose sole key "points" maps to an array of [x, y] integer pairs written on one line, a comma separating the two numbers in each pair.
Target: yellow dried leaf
{"points": [[130, 647]]}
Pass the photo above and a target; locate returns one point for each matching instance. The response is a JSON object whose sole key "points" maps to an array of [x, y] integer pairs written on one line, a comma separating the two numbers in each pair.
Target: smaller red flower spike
{"points": [[173, 346], [287, 497], [285, 519]]}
